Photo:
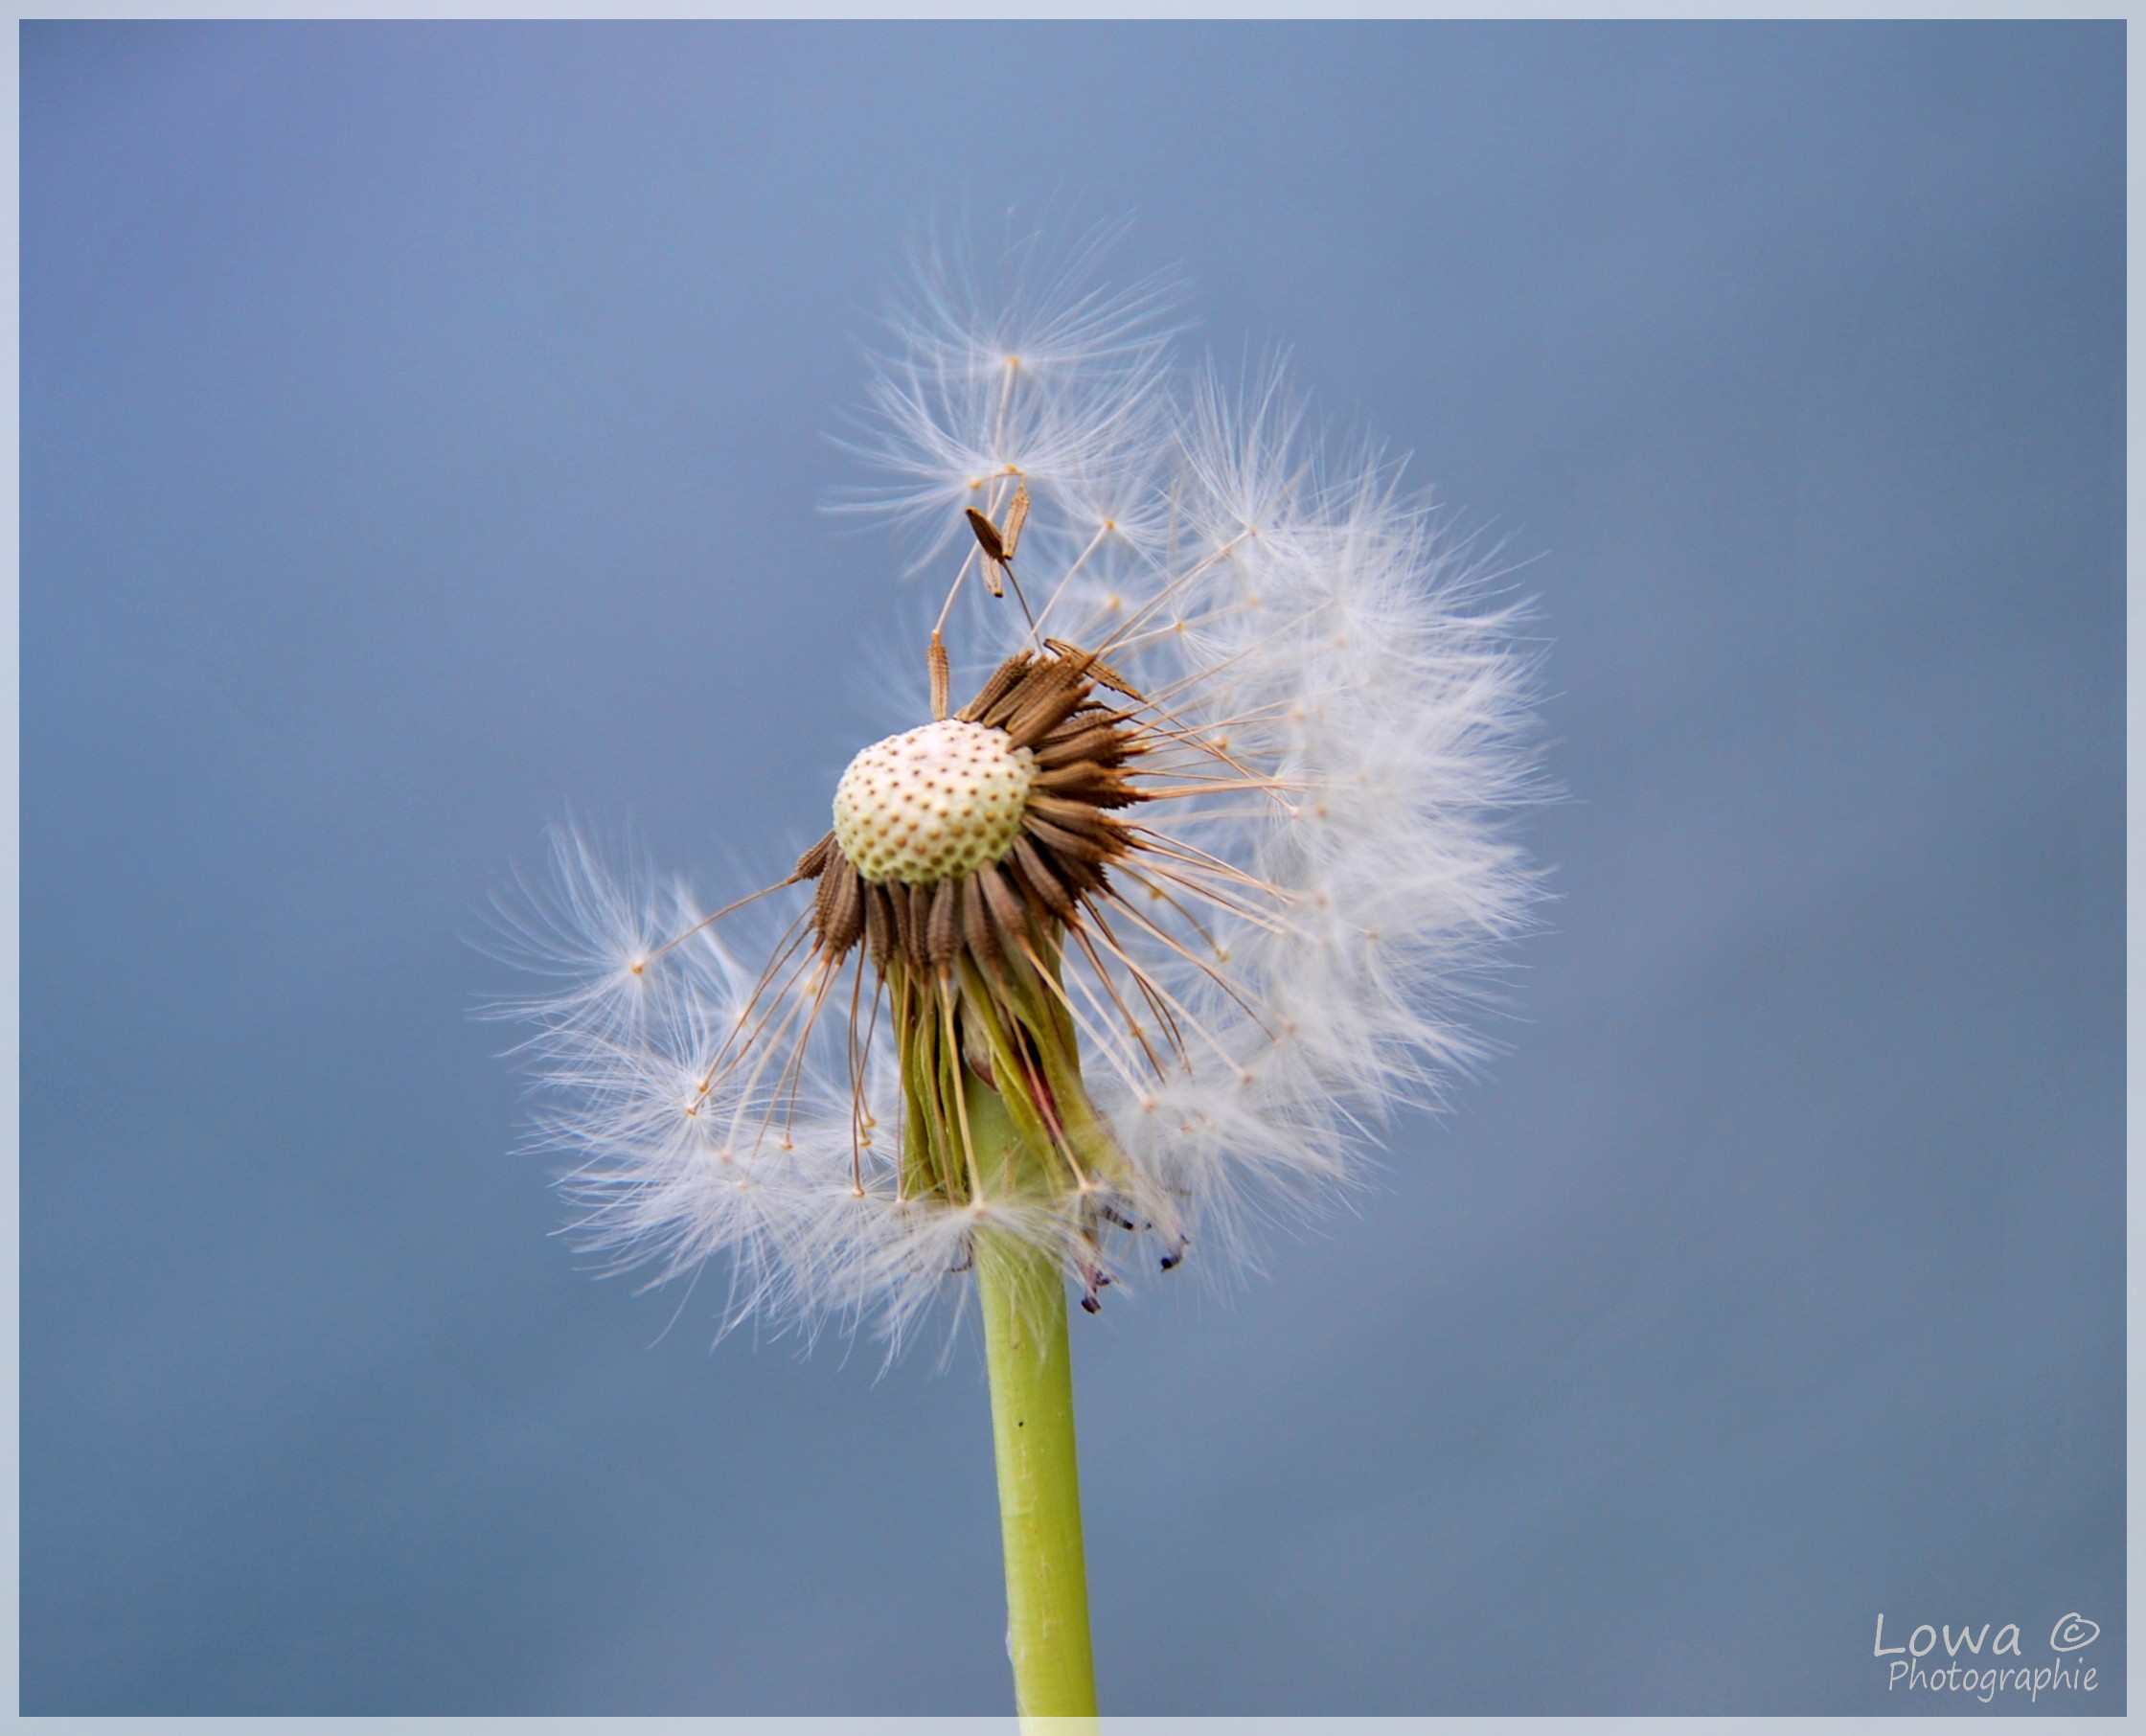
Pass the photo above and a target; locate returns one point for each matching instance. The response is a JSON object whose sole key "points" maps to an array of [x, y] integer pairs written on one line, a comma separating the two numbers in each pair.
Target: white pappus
{"points": [[1263, 720]]}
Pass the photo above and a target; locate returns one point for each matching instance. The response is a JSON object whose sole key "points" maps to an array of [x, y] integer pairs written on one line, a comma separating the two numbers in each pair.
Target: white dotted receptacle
{"points": [[932, 803]]}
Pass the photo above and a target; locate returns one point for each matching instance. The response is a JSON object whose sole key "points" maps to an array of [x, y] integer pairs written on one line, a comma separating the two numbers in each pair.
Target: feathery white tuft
{"points": [[1339, 895]]}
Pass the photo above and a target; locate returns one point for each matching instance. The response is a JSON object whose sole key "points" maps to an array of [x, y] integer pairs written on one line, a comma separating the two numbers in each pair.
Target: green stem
{"points": [[1031, 1364]]}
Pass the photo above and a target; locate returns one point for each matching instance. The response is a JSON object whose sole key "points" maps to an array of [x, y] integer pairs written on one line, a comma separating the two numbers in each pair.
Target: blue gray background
{"points": [[423, 431]]}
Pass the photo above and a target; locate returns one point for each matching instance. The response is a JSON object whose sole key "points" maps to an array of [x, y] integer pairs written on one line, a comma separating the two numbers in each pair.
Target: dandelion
{"points": [[1134, 945]]}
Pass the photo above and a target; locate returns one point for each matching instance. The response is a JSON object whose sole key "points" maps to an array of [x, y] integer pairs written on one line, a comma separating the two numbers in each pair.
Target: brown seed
{"points": [[1093, 666], [1078, 817], [809, 864], [845, 919], [1002, 682], [1051, 702], [1103, 742], [975, 923], [897, 905], [943, 931], [878, 927], [986, 534], [1005, 904], [823, 904], [942, 675], [1038, 880], [1083, 844]]}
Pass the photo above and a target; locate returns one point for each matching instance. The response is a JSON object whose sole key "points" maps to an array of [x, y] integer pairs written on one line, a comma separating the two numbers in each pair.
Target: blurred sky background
{"points": [[423, 436]]}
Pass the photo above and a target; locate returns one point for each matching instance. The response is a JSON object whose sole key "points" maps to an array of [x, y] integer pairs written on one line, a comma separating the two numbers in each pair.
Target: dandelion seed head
{"points": [[1208, 874]]}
